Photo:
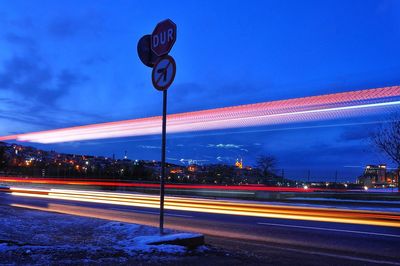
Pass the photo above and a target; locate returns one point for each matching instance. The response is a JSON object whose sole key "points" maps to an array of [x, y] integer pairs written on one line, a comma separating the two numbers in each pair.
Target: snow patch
{"points": [[4, 247], [41, 237], [132, 238]]}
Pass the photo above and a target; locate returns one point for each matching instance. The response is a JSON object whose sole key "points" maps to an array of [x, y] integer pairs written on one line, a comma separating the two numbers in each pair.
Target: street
{"points": [[263, 237]]}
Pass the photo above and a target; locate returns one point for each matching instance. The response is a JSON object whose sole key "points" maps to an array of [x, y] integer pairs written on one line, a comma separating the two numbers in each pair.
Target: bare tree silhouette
{"points": [[387, 140], [266, 165]]}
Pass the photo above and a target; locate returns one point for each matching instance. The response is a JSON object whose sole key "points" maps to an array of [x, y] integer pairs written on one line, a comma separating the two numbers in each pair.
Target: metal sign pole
{"points": [[154, 53], [163, 170]]}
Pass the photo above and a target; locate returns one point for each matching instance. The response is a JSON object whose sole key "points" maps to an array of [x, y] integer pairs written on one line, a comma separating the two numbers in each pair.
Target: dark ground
{"points": [[30, 237]]}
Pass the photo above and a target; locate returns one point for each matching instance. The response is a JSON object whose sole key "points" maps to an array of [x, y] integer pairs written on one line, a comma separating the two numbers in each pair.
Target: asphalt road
{"points": [[272, 240]]}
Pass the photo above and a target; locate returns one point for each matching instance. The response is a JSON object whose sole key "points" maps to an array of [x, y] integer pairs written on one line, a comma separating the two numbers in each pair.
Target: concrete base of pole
{"points": [[190, 241]]}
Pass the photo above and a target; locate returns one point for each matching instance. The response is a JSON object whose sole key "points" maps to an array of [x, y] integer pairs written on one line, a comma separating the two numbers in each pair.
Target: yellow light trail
{"points": [[365, 217]]}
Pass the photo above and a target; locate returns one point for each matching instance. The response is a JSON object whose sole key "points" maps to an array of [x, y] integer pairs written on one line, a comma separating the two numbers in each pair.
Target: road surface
{"points": [[313, 241]]}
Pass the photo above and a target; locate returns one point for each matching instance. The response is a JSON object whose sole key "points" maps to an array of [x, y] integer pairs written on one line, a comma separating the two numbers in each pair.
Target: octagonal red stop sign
{"points": [[163, 37]]}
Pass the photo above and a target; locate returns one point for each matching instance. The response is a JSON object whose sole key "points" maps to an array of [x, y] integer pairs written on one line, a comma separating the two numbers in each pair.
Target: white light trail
{"points": [[315, 108]]}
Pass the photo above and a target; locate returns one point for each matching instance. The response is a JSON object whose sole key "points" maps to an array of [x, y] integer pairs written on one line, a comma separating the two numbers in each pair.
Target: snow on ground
{"points": [[35, 237], [136, 238]]}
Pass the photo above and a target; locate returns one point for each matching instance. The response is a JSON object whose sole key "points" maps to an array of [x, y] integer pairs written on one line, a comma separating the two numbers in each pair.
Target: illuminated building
{"points": [[376, 171], [176, 170], [239, 164], [373, 175], [192, 168]]}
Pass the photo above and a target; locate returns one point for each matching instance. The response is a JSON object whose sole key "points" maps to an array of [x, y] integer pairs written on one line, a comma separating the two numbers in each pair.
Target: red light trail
{"points": [[122, 183], [314, 108], [109, 183]]}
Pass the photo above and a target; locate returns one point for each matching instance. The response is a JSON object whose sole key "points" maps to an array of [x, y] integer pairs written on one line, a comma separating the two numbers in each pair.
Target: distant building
{"points": [[239, 164], [192, 168], [392, 178], [374, 175], [176, 170]]}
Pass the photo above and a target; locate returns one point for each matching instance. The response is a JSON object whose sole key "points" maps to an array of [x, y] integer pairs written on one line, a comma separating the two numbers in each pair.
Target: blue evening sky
{"points": [[66, 63]]}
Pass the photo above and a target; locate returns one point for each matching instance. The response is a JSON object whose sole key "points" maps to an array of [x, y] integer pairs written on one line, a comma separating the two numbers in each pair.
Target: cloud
{"points": [[24, 75], [94, 60], [149, 147], [28, 75], [64, 27], [67, 79], [193, 161], [88, 24], [190, 93], [5, 100], [23, 23], [25, 118], [321, 155], [225, 159], [31, 78], [32, 87], [224, 146], [357, 133], [17, 39], [45, 117]]}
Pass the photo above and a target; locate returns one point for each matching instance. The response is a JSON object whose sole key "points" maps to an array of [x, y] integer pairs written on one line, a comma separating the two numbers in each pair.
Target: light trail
{"points": [[219, 206], [203, 188], [314, 108]]}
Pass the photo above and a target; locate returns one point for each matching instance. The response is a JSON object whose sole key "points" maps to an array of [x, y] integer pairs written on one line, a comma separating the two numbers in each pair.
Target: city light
{"points": [[315, 108]]}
